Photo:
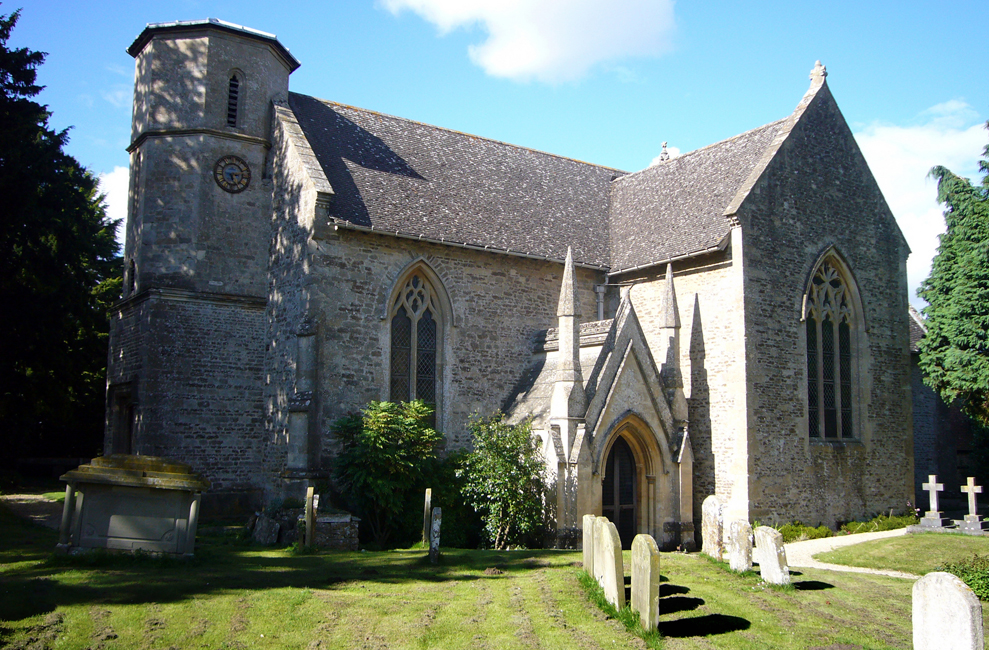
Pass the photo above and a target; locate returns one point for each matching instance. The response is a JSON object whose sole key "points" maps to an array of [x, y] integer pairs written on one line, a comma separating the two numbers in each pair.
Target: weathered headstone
{"points": [[932, 518], [434, 535], [588, 543], [427, 512], [611, 569], [712, 526], [772, 556], [740, 545], [946, 614], [310, 516], [645, 580], [266, 530], [972, 523]]}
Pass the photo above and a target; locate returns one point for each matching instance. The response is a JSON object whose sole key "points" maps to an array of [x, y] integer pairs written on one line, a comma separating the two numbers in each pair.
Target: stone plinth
{"points": [[131, 503], [935, 520], [337, 532], [971, 525], [645, 580], [946, 614]]}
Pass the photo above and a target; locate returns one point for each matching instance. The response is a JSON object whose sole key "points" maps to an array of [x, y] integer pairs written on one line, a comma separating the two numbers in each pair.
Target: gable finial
{"points": [[664, 154], [818, 71], [568, 292], [669, 313]]}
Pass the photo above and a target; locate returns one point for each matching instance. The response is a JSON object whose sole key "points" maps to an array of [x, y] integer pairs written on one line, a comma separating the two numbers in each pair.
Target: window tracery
{"points": [[415, 333], [829, 319]]}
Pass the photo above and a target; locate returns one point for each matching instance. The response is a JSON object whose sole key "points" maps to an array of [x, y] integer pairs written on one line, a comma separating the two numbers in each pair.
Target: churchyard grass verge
{"points": [[918, 553]]}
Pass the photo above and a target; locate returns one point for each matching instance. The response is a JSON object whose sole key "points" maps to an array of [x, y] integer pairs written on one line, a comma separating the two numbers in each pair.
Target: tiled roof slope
{"points": [[917, 330], [677, 207], [396, 175]]}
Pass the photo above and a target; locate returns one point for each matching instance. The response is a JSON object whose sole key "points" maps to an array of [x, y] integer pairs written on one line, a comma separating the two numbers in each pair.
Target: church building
{"points": [[731, 321]]}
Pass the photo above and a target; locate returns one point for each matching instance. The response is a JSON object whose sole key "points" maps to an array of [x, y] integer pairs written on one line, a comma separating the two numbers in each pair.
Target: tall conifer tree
{"points": [[955, 353], [59, 272]]}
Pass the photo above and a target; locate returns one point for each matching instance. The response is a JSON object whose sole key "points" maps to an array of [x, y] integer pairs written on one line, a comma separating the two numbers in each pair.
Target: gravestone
{"points": [[266, 530], [588, 544], [434, 536], [427, 511], [310, 516], [712, 527], [772, 556], [932, 518], [946, 614], [645, 580], [611, 569], [972, 524], [740, 545]]}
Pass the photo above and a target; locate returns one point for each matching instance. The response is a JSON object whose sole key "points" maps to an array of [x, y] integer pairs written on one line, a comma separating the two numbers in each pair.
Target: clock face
{"points": [[232, 174]]}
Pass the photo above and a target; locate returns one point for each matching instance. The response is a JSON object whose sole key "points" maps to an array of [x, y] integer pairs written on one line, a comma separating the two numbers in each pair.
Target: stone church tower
{"points": [[196, 251]]}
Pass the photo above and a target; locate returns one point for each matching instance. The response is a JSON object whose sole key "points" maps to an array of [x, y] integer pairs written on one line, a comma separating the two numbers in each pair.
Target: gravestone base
{"points": [[935, 520], [972, 525]]}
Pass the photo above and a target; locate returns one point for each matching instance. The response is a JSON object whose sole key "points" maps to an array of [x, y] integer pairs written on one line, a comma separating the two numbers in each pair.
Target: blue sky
{"points": [[604, 82]]}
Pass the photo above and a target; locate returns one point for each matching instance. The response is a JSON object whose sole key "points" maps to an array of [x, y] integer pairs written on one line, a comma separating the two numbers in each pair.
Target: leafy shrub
{"points": [[503, 480], [973, 572], [385, 451], [462, 526], [797, 532], [880, 523]]}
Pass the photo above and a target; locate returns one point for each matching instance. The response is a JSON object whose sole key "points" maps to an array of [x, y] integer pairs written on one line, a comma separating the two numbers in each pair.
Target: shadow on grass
{"points": [[675, 604], [702, 625], [672, 590], [812, 585], [36, 581]]}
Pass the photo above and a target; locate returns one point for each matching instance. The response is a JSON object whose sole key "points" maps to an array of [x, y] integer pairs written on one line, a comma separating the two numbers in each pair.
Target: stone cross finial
{"points": [[933, 487], [664, 154], [818, 71], [972, 489]]}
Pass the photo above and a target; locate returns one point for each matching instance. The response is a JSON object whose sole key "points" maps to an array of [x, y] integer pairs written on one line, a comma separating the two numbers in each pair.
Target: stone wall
{"points": [[815, 187]]}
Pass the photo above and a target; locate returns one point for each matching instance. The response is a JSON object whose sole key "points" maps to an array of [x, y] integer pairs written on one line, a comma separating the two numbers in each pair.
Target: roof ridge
{"points": [[705, 147], [463, 133]]}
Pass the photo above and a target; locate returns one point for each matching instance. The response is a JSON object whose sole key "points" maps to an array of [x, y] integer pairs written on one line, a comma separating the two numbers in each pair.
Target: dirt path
{"points": [[34, 507], [801, 554]]}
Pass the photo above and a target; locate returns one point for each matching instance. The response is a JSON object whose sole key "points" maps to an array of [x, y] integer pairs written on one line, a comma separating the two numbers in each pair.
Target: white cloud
{"points": [[120, 96], [114, 185], [949, 134], [551, 40]]}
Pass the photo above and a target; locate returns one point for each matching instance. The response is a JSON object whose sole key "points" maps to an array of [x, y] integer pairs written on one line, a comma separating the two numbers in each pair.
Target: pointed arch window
{"points": [[830, 319], [233, 99], [415, 336]]}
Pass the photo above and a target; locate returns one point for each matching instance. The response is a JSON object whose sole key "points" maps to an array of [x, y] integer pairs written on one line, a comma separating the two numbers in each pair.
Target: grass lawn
{"points": [[234, 595], [918, 553]]}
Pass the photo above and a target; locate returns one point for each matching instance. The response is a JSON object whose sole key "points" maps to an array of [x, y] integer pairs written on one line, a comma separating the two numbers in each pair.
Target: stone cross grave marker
{"points": [[608, 563], [972, 523], [426, 512], [645, 580], [712, 526], [946, 614], [932, 518], [772, 556], [740, 545], [434, 537], [588, 544]]}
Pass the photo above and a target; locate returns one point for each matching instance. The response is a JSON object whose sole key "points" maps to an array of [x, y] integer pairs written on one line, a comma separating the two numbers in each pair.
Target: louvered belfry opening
{"points": [[618, 494], [414, 340], [233, 100], [829, 322]]}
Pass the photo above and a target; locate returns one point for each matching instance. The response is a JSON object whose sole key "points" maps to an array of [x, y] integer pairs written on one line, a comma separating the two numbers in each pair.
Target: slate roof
{"points": [[396, 175], [677, 207], [917, 330]]}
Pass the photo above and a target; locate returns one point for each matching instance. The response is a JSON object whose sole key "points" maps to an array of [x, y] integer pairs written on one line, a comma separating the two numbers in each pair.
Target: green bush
{"points": [[879, 523], [973, 572], [797, 532]]}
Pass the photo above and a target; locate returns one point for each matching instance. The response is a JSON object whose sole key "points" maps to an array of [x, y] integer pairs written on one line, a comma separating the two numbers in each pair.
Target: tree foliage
{"points": [[954, 354], [384, 452], [59, 272], [505, 480]]}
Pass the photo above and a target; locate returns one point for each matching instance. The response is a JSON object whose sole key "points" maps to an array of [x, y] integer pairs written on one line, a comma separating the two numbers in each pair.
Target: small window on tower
{"points": [[233, 98]]}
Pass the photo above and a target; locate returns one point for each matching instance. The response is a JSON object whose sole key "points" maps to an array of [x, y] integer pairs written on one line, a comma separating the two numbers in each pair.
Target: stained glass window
{"points": [[829, 322], [414, 341]]}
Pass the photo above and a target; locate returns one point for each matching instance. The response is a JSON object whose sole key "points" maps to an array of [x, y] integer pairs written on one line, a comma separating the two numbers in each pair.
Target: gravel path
{"points": [[34, 507], [801, 554]]}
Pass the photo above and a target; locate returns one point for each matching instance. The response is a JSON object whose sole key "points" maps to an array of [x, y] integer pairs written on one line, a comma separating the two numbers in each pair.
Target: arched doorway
{"points": [[619, 496]]}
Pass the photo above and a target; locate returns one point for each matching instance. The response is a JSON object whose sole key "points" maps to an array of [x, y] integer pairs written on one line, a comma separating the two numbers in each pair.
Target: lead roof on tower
{"points": [[213, 23]]}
